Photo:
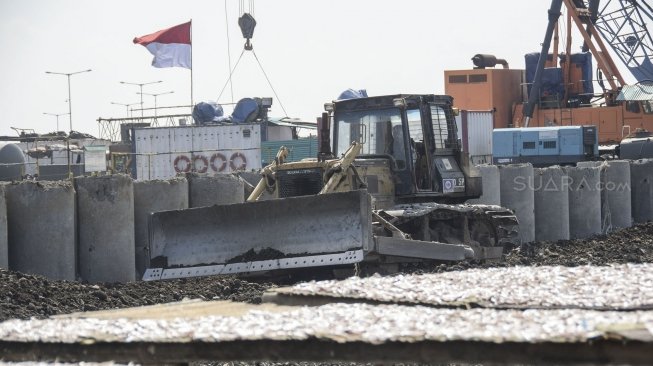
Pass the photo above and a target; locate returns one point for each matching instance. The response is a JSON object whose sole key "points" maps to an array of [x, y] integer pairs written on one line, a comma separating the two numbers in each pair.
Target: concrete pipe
{"points": [[517, 194], [105, 207], [641, 178], [491, 186], [551, 204], [221, 189], [584, 201], [41, 228], [617, 207], [4, 243], [154, 196]]}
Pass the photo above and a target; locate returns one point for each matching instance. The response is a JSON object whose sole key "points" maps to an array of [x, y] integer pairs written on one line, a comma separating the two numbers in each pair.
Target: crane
{"points": [[579, 13], [622, 23], [562, 82]]}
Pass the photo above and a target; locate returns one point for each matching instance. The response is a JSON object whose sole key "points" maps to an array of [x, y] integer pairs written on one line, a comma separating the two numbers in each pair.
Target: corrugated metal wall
{"points": [[164, 152], [298, 149], [475, 132]]}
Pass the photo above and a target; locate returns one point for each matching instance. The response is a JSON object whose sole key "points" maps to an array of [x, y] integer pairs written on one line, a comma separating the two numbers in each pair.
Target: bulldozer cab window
{"points": [[418, 149], [415, 125], [379, 131], [440, 126]]}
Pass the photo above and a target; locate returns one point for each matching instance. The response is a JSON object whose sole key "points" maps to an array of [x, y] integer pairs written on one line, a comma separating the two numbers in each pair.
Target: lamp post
{"points": [[70, 101], [56, 115], [126, 106], [156, 95], [141, 86]]}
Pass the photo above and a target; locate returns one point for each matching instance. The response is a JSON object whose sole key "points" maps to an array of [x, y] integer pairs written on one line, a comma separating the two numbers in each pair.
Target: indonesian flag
{"points": [[171, 47]]}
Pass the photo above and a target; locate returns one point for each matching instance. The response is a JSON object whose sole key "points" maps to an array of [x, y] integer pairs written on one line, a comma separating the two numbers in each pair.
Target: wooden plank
{"points": [[595, 353], [185, 309]]}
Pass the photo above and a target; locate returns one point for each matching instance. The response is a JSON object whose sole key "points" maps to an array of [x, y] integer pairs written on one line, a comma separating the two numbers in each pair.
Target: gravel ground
{"points": [[24, 296]]}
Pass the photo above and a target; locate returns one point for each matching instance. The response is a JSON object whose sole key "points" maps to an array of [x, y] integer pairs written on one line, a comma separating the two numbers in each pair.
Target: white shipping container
{"points": [[475, 133], [164, 152]]}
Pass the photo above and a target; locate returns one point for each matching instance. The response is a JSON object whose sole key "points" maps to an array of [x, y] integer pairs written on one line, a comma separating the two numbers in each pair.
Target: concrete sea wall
{"points": [[105, 207], [96, 228], [41, 228]]}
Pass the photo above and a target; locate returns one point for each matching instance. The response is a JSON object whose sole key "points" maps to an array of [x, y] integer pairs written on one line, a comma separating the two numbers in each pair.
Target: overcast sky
{"points": [[310, 50]]}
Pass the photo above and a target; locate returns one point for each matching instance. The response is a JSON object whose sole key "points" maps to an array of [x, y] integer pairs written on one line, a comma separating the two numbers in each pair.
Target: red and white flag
{"points": [[171, 47]]}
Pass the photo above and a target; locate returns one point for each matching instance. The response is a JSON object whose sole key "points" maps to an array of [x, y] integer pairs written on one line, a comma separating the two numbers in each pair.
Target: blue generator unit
{"points": [[544, 146]]}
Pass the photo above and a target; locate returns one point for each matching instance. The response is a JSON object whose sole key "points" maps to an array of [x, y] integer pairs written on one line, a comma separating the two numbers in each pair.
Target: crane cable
{"points": [[270, 83], [226, 22], [264, 74], [230, 74], [241, 7], [248, 47]]}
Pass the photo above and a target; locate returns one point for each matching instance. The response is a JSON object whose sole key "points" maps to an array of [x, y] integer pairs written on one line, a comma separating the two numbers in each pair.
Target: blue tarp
{"points": [[245, 111], [353, 94], [206, 112]]}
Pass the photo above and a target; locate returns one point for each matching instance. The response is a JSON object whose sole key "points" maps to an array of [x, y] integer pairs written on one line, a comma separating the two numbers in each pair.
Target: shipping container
{"points": [[475, 133], [299, 149], [164, 152]]}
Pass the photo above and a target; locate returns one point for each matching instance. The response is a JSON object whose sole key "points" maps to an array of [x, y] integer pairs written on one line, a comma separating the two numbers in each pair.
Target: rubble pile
{"points": [[25, 296]]}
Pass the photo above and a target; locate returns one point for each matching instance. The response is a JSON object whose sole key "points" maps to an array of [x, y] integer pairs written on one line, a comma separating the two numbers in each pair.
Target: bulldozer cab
{"points": [[417, 137]]}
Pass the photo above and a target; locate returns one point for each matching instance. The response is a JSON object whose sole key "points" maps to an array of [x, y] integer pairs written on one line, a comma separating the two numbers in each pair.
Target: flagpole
{"points": [[191, 66]]}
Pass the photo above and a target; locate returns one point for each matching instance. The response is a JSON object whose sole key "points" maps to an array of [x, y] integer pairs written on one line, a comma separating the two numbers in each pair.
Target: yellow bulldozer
{"points": [[387, 188]]}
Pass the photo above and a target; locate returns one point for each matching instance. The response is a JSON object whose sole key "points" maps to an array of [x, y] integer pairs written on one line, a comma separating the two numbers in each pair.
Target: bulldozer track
{"points": [[476, 225]]}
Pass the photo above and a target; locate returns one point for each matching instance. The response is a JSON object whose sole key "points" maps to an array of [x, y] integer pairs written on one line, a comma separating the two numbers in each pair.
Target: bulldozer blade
{"points": [[320, 230]]}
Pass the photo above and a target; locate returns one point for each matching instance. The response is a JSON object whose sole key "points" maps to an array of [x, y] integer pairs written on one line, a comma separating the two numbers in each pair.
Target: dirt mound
{"points": [[24, 296], [632, 245]]}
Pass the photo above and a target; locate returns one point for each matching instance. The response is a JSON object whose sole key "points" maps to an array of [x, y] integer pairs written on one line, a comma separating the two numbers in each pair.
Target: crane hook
{"points": [[247, 23]]}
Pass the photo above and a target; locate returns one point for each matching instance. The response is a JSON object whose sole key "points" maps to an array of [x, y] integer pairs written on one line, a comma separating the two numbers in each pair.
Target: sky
{"points": [[311, 51]]}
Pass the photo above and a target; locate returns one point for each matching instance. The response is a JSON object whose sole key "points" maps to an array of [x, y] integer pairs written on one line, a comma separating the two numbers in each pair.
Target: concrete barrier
{"points": [[4, 244], [220, 189], [616, 196], [41, 228], [641, 178], [105, 207], [517, 194], [584, 201], [154, 196], [551, 204], [491, 186]]}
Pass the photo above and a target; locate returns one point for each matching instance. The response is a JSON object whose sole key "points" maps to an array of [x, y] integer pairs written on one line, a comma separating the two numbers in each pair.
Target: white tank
{"points": [[11, 153], [12, 162]]}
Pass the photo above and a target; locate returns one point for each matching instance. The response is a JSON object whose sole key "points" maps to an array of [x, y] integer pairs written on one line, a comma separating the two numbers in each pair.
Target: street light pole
{"points": [[56, 115], [70, 101], [141, 86], [155, 95], [126, 106]]}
